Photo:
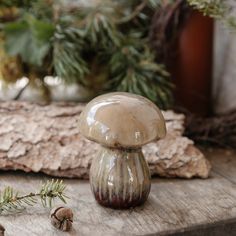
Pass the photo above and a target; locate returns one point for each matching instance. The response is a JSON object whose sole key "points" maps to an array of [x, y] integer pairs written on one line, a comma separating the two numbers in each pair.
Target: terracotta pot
{"points": [[192, 67]]}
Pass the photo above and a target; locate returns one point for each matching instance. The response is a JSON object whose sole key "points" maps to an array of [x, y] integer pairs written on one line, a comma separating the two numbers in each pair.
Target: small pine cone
{"points": [[62, 218]]}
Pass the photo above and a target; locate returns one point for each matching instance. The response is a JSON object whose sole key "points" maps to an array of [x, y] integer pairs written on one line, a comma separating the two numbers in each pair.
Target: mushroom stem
{"points": [[120, 178]]}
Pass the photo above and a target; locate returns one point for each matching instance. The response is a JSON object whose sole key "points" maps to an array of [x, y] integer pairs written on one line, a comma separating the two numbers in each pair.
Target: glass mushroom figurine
{"points": [[121, 123]]}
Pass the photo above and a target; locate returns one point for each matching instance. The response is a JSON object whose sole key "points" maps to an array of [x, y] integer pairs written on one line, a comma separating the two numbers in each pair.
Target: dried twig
{"points": [[218, 130]]}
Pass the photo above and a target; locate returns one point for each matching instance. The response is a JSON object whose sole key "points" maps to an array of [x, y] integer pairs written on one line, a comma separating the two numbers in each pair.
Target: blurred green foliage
{"points": [[219, 9], [103, 46]]}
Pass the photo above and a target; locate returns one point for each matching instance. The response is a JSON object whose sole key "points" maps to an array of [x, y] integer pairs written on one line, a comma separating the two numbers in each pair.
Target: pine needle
{"points": [[11, 201]]}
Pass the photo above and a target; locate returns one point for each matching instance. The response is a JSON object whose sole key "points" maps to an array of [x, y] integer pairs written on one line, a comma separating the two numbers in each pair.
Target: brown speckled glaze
{"points": [[120, 178], [122, 123]]}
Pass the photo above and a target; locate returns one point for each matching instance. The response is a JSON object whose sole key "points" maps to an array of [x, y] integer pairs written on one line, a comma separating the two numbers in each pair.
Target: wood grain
{"points": [[175, 207], [224, 162]]}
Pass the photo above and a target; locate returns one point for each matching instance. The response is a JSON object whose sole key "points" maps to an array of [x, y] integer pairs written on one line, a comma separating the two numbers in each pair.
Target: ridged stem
{"points": [[120, 178]]}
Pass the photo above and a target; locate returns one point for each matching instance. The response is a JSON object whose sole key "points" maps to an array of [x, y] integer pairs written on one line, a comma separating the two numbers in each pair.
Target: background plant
{"points": [[219, 9], [103, 46]]}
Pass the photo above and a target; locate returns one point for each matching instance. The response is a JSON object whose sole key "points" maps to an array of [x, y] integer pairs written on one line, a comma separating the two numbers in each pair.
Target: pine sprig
{"points": [[98, 24], [11, 201], [133, 69], [219, 9], [51, 190], [67, 55], [214, 8], [107, 28]]}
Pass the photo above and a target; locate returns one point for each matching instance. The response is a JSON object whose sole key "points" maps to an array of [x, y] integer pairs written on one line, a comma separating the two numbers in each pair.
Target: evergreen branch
{"points": [[67, 57], [134, 70], [11, 201], [218, 9], [98, 24], [92, 43], [213, 8]]}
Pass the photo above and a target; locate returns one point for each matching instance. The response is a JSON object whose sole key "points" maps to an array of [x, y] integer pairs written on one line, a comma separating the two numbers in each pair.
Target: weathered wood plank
{"points": [[224, 162], [179, 207]]}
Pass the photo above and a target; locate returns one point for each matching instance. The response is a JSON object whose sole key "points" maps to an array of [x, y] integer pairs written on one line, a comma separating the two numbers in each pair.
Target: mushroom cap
{"points": [[122, 120]]}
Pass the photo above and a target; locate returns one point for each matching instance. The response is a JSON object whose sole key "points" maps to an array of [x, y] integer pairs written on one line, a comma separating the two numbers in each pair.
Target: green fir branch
{"points": [[67, 55], [218, 9], [11, 201], [99, 24], [134, 70], [213, 8]]}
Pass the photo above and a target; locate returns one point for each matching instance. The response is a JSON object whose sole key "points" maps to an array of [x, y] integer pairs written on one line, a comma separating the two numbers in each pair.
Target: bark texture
{"points": [[46, 139]]}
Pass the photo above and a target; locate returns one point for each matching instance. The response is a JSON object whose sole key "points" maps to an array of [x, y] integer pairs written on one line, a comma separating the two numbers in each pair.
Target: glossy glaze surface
{"points": [[122, 120], [120, 179]]}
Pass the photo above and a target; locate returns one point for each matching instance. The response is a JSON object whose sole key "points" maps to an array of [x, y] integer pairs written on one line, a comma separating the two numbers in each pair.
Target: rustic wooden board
{"points": [[175, 207], [224, 163]]}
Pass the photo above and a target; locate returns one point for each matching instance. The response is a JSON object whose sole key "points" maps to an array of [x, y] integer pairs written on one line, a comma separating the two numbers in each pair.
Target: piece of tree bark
{"points": [[46, 139]]}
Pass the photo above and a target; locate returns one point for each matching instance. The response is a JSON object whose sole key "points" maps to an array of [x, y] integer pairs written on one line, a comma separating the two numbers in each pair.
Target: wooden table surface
{"points": [[175, 207]]}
